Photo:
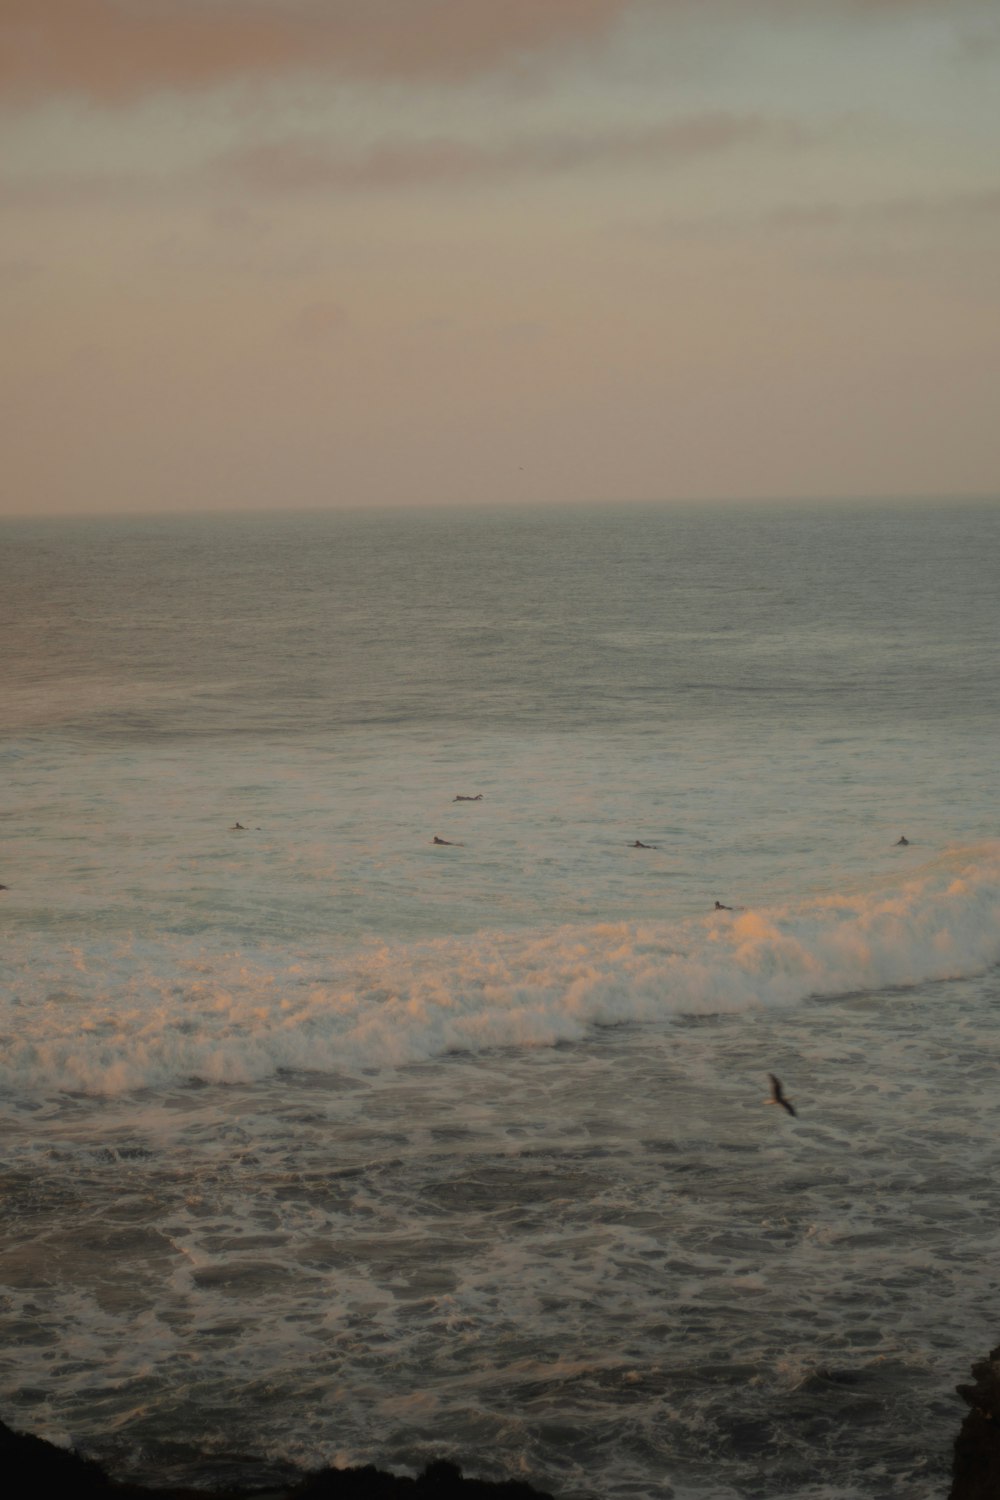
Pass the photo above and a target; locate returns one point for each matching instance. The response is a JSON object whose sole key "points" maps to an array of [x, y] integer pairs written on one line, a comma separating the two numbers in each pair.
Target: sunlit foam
{"points": [[146, 1015]]}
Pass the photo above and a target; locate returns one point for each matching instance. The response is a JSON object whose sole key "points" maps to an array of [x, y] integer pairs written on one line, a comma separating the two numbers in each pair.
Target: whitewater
{"points": [[325, 1141]]}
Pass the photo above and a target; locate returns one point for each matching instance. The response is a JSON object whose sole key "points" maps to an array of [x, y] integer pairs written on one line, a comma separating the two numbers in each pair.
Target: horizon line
{"points": [[416, 507]]}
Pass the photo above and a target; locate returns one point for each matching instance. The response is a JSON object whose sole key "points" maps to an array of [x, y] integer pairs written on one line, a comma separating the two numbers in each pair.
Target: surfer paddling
{"points": [[640, 845], [450, 842], [903, 840], [719, 907], [477, 798], [777, 1097]]}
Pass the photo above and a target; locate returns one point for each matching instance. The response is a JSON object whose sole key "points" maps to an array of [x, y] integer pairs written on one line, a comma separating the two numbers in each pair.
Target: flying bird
{"points": [[777, 1097]]}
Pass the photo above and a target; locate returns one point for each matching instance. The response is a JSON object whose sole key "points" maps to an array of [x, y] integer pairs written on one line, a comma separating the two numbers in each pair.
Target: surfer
{"points": [[903, 840], [777, 1097], [640, 845], [450, 842], [477, 798], [237, 828], [719, 907]]}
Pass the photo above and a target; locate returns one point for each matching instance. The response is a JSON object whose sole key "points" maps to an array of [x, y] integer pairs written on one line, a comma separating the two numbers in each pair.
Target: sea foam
{"points": [[109, 1019]]}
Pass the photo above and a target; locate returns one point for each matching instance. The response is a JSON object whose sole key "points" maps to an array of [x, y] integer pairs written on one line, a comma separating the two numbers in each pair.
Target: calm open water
{"points": [[321, 1141]]}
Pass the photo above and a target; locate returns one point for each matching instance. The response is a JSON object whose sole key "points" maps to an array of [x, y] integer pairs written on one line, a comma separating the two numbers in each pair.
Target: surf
{"points": [[107, 1018]]}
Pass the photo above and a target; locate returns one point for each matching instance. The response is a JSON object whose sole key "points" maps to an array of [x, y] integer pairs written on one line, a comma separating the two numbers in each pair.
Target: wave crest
{"points": [[144, 1015]]}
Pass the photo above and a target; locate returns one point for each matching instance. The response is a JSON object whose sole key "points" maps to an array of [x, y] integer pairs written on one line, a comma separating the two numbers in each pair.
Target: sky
{"points": [[311, 253]]}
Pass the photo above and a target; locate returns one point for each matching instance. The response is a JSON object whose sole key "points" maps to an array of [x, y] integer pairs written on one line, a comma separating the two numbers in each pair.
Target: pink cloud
{"points": [[114, 51], [312, 165], [949, 209]]}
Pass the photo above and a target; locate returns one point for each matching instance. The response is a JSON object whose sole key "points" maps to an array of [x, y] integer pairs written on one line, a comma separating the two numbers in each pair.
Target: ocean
{"points": [[323, 1141]]}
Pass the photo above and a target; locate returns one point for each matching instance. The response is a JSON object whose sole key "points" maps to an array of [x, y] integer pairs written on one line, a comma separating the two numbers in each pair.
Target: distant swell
{"points": [[112, 1019]]}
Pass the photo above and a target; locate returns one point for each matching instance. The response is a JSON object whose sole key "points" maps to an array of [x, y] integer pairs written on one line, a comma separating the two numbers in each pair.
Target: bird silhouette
{"points": [[777, 1097]]}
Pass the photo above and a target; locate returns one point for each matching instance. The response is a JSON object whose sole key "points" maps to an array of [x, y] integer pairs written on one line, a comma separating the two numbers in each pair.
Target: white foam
{"points": [[106, 1020]]}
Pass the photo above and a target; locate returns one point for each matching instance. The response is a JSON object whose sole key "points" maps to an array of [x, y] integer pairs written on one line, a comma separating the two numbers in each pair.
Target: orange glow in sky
{"points": [[266, 253]]}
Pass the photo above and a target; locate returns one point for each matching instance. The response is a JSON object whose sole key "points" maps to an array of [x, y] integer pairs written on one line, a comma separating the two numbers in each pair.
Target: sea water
{"points": [[323, 1141]]}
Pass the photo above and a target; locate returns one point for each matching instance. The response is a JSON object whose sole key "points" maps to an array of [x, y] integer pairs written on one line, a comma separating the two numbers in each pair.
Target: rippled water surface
{"points": [[322, 1140]]}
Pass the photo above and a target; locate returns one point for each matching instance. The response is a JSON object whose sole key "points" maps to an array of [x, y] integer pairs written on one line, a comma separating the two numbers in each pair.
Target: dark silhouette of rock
{"points": [[976, 1465], [31, 1468], [439, 1481]]}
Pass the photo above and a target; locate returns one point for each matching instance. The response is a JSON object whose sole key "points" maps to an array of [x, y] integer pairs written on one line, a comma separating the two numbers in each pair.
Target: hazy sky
{"points": [[345, 252]]}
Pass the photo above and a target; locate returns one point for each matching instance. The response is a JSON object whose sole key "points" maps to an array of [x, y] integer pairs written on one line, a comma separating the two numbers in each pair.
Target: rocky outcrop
{"points": [[30, 1467], [976, 1465], [439, 1481]]}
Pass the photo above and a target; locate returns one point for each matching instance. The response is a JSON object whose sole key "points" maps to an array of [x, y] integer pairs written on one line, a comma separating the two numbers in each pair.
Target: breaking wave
{"points": [[111, 1019]]}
